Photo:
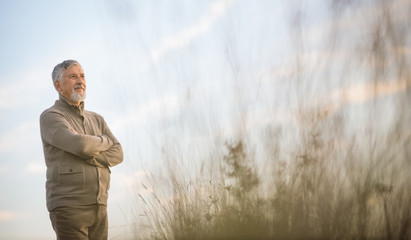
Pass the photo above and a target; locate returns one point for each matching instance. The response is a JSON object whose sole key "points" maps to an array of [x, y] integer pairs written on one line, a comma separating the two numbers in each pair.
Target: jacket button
{"points": [[70, 170]]}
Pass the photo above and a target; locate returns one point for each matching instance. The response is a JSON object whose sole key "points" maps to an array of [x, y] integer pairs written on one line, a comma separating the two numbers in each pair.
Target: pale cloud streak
{"points": [[36, 168], [362, 93], [7, 216], [12, 140], [11, 94], [357, 94], [156, 108], [365, 92], [186, 36], [3, 169], [16, 90], [133, 181]]}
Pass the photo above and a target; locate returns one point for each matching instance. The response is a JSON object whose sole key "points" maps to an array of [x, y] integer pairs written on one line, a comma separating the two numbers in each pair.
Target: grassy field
{"points": [[337, 168], [322, 192]]}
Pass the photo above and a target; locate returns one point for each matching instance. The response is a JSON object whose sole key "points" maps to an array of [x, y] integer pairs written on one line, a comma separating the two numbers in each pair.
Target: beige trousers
{"points": [[80, 222]]}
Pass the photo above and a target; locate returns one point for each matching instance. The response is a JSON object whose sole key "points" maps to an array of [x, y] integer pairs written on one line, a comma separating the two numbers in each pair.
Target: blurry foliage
{"points": [[328, 182]]}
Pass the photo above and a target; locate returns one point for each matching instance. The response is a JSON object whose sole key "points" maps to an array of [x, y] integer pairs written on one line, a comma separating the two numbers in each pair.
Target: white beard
{"points": [[77, 97]]}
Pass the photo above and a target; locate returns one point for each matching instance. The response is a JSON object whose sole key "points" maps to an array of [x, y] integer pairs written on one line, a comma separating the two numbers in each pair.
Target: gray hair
{"points": [[57, 73]]}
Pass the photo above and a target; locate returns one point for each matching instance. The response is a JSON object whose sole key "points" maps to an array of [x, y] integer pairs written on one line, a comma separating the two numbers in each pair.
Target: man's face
{"points": [[73, 85]]}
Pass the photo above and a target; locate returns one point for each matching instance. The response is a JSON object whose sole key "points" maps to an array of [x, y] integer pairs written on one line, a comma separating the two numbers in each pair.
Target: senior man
{"points": [[79, 150]]}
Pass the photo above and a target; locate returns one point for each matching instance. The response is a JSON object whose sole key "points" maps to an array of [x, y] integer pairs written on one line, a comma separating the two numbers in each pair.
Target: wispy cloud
{"points": [[355, 94], [11, 140], [130, 181], [3, 169], [27, 84], [156, 108], [127, 184], [7, 216], [36, 168], [10, 94], [186, 36], [362, 93]]}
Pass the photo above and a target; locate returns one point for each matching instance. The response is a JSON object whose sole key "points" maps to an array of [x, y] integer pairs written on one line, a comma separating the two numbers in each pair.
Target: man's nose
{"points": [[80, 80]]}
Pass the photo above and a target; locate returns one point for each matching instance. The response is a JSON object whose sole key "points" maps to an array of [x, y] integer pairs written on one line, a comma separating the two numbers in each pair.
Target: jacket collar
{"points": [[71, 107]]}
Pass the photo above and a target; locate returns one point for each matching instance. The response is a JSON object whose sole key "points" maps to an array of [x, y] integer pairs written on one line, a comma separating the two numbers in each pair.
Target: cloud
{"points": [[3, 169], [11, 94], [36, 168], [186, 36], [156, 108], [132, 180], [7, 216], [11, 140], [27, 84], [125, 185], [362, 93], [365, 92]]}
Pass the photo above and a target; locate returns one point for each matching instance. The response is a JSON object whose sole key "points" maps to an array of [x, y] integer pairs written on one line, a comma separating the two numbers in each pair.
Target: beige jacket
{"points": [[78, 149]]}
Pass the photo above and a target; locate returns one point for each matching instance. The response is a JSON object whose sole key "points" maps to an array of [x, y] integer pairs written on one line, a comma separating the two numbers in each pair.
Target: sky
{"points": [[142, 59], [157, 71]]}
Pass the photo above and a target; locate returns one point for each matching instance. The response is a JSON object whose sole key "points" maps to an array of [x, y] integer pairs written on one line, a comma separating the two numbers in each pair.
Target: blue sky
{"points": [[156, 70]]}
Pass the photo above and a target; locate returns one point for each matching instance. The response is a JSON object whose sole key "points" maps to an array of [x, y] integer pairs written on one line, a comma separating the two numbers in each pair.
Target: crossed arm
{"points": [[110, 157], [100, 151]]}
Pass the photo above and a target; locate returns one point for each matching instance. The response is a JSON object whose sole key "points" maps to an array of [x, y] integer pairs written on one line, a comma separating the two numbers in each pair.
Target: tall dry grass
{"points": [[341, 170], [323, 192]]}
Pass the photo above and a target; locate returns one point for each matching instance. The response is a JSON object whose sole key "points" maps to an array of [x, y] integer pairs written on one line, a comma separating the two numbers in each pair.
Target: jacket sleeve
{"points": [[56, 131], [110, 157]]}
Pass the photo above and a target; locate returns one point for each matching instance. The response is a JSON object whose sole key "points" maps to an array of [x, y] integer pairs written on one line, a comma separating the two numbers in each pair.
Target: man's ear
{"points": [[57, 85]]}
